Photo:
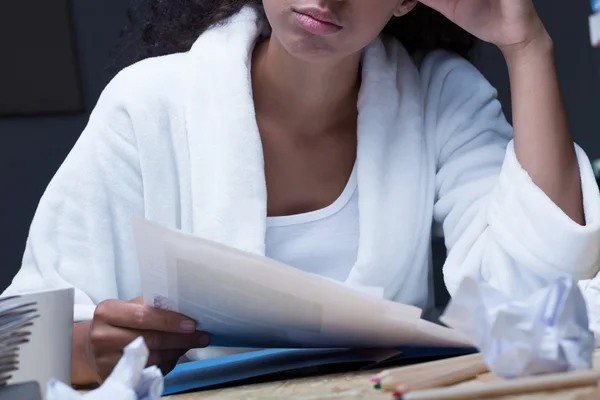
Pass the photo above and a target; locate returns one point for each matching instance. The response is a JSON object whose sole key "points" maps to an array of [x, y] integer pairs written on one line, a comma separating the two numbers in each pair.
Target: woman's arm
{"points": [[543, 145], [499, 225], [80, 233], [542, 140]]}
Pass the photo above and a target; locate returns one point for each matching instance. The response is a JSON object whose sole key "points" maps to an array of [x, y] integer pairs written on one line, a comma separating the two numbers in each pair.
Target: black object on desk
{"points": [[21, 391]]}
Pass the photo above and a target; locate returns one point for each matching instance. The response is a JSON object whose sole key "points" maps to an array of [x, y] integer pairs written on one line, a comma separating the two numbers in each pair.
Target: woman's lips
{"points": [[317, 23]]}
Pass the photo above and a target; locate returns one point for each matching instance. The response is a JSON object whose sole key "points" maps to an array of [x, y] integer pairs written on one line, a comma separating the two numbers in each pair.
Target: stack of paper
{"points": [[16, 317], [249, 301], [245, 300]]}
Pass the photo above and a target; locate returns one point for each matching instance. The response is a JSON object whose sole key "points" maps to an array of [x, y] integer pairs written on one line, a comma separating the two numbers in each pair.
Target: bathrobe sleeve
{"points": [[82, 223], [499, 227]]}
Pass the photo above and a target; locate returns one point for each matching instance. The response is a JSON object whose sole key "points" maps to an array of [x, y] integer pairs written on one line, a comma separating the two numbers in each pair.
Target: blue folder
{"points": [[237, 367]]}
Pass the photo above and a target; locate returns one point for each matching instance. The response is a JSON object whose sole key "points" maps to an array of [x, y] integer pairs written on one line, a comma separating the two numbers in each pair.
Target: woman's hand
{"points": [[98, 344], [509, 24]]}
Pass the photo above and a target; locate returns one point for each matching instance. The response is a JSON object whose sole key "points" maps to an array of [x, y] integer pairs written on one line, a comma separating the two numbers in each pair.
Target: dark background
{"points": [[32, 148], [39, 71]]}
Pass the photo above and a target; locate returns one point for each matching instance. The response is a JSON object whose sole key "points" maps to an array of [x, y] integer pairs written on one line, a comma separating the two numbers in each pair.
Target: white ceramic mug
{"points": [[48, 353]]}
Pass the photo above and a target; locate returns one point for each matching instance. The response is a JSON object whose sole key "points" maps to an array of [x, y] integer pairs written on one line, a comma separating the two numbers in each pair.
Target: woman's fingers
{"points": [[138, 316], [107, 338], [161, 357], [116, 324], [166, 360], [105, 363], [174, 341]]}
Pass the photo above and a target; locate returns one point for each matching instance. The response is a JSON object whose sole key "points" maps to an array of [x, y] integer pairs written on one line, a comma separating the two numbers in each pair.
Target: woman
{"points": [[294, 129]]}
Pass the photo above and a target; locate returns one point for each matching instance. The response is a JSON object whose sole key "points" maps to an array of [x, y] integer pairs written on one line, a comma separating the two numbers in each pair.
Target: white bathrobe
{"points": [[174, 139]]}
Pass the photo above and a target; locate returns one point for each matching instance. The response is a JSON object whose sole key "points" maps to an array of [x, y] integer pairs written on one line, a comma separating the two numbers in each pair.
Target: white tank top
{"points": [[323, 242]]}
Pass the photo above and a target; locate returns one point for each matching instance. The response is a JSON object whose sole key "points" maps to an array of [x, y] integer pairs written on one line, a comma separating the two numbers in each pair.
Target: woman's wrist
{"points": [[539, 48], [82, 373]]}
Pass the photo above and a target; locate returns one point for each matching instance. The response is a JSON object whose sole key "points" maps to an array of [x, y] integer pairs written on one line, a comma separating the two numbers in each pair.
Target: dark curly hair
{"points": [[160, 27]]}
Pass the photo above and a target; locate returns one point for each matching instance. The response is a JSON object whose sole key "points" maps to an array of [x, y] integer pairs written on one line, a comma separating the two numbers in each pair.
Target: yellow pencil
{"points": [[509, 387], [447, 362], [453, 377], [396, 377]]}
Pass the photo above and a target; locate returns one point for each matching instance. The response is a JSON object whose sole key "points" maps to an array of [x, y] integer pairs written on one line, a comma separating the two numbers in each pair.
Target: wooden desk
{"points": [[351, 386]]}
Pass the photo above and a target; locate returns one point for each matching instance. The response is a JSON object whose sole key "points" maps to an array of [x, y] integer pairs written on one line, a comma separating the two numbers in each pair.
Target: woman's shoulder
{"points": [[443, 71], [441, 64], [459, 100], [440, 70], [152, 82]]}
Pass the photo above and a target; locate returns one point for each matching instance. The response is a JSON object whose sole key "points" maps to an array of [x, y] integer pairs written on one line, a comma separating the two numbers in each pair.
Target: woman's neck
{"points": [[306, 98]]}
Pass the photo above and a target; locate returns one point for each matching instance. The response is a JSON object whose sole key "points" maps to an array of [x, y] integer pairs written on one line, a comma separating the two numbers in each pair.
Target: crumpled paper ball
{"points": [[547, 332], [129, 380]]}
